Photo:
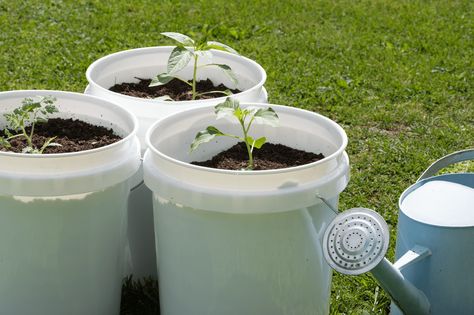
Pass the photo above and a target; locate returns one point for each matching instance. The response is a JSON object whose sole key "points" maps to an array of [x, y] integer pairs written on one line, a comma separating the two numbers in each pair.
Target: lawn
{"points": [[397, 75]]}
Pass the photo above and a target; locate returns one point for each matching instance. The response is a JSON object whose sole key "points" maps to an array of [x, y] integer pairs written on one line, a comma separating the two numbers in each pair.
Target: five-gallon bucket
{"points": [[437, 213], [243, 242], [63, 216], [127, 66]]}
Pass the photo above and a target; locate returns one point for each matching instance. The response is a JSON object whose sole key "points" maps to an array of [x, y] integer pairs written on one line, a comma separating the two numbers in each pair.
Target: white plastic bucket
{"points": [[126, 66], [63, 216], [241, 242]]}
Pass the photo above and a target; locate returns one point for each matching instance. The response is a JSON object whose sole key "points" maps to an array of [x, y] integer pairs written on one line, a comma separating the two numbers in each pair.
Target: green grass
{"points": [[397, 75]]}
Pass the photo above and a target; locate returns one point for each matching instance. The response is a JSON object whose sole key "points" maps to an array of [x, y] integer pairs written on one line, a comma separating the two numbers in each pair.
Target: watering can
{"points": [[435, 244]]}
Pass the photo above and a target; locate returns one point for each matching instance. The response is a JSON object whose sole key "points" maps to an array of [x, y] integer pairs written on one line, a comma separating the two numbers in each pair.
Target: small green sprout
{"points": [[187, 50], [30, 114], [245, 116]]}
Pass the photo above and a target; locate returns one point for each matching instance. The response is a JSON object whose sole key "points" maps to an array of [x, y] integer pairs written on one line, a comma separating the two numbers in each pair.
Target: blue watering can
{"points": [[433, 273]]}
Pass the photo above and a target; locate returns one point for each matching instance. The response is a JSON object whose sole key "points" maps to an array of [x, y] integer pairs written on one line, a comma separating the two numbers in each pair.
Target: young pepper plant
{"points": [[186, 50], [245, 116], [29, 114]]}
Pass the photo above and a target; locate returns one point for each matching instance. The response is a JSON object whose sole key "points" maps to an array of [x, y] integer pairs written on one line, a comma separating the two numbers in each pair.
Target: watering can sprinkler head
{"points": [[356, 241]]}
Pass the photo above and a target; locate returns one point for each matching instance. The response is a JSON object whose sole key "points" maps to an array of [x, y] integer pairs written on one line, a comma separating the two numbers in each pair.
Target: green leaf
{"points": [[27, 100], [4, 142], [30, 107], [30, 113], [267, 116], [178, 59], [221, 46], [161, 79], [204, 136], [255, 143], [50, 109], [240, 114], [48, 100], [249, 140], [259, 142], [227, 108], [180, 38], [15, 121], [8, 117], [7, 133], [228, 71]]}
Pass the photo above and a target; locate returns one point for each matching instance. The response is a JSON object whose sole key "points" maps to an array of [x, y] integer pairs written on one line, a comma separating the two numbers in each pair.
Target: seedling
{"points": [[187, 50], [245, 116], [29, 114]]}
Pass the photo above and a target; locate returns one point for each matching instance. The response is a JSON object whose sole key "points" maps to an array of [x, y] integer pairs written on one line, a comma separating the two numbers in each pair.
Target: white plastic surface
{"points": [[126, 66], [243, 242], [71, 173], [63, 255], [168, 172], [254, 264], [442, 203], [63, 217]]}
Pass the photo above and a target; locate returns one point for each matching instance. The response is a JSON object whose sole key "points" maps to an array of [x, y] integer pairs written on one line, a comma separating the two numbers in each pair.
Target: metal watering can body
{"points": [[433, 273], [446, 276]]}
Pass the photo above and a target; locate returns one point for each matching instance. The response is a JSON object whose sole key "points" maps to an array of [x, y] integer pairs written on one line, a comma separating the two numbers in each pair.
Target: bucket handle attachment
{"points": [[459, 156]]}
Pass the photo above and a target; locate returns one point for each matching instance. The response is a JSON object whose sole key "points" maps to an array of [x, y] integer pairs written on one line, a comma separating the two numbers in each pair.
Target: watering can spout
{"points": [[356, 241], [405, 295]]}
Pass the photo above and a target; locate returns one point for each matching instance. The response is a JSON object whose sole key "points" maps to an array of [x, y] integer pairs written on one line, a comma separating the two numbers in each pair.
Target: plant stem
{"points": [[194, 75], [210, 92], [28, 139], [33, 126], [46, 144], [249, 150], [15, 136]]}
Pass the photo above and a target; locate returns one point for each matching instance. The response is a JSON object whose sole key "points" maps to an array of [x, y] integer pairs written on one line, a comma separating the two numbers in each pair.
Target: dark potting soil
{"points": [[72, 135], [176, 89], [269, 156]]}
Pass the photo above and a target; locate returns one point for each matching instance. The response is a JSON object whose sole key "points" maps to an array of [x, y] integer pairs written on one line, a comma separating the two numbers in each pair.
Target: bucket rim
{"points": [[143, 50], [339, 152], [80, 96]]}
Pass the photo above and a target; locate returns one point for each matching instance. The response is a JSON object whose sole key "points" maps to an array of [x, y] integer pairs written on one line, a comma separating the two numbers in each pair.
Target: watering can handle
{"points": [[447, 160]]}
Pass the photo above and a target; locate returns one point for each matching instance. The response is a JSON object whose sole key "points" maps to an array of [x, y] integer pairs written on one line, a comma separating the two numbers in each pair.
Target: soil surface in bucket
{"points": [[176, 89], [270, 156], [72, 135]]}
